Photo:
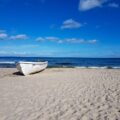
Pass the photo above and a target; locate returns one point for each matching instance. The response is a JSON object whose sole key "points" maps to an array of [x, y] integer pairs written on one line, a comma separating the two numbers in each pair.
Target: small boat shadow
{"points": [[18, 73]]}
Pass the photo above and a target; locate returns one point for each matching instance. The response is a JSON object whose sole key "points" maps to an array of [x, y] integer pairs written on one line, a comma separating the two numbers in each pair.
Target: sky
{"points": [[60, 28]]}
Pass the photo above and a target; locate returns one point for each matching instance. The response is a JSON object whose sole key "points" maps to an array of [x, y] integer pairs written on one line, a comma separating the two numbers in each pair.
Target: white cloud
{"points": [[92, 41], [66, 40], [74, 40], [52, 38], [13, 53], [90, 4], [80, 41], [70, 24], [19, 37], [114, 5], [40, 39], [3, 36], [60, 41]]}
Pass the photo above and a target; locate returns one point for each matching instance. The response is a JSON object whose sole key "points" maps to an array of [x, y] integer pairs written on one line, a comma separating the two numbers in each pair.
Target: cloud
{"points": [[40, 39], [19, 37], [14, 53], [74, 40], [70, 24], [90, 4], [3, 36], [13, 47], [52, 39], [13, 50], [92, 41], [114, 5], [80, 41], [66, 40], [85, 5]]}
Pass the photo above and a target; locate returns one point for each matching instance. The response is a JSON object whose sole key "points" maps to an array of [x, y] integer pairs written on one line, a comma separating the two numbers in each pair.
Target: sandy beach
{"points": [[60, 94]]}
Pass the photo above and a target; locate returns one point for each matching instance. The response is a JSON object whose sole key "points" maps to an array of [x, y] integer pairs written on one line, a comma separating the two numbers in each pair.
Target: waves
{"points": [[7, 62], [96, 67], [90, 63]]}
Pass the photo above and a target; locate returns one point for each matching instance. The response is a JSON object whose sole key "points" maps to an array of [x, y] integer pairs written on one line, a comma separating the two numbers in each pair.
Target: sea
{"points": [[104, 63]]}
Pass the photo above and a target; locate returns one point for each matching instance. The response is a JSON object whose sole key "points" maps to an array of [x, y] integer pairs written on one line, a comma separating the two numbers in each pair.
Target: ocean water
{"points": [[110, 63]]}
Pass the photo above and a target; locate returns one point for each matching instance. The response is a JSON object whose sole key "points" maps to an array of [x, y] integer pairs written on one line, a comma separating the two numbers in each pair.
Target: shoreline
{"points": [[81, 67], [6, 72]]}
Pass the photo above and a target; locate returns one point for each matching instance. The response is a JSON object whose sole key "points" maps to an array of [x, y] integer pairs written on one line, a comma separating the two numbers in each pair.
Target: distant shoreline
{"points": [[77, 67]]}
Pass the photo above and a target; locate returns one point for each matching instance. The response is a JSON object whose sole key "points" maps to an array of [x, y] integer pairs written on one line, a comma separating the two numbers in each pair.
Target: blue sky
{"points": [[60, 28]]}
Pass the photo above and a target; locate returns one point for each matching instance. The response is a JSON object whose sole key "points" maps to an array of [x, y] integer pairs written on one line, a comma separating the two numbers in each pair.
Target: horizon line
{"points": [[61, 57]]}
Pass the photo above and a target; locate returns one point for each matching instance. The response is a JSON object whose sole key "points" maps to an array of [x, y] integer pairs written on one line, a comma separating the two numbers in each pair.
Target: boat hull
{"points": [[27, 68]]}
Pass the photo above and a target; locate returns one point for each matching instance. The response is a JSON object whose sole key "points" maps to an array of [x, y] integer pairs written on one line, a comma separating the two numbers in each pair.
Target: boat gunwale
{"points": [[35, 63]]}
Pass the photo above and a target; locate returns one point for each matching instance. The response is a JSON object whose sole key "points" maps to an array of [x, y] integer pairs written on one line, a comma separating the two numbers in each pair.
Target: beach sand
{"points": [[60, 94]]}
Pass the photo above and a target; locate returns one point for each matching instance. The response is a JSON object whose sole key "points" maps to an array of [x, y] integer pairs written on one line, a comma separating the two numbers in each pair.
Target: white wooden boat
{"points": [[27, 68]]}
